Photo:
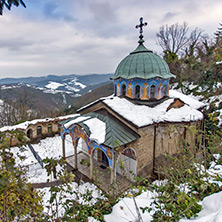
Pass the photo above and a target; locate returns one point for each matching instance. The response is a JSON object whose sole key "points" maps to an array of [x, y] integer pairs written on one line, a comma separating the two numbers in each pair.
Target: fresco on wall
{"points": [[159, 91], [130, 90], [145, 91], [129, 152], [118, 89], [77, 132]]}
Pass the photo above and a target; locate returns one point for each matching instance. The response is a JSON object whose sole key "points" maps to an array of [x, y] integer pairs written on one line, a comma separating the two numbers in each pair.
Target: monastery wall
{"points": [[34, 131]]}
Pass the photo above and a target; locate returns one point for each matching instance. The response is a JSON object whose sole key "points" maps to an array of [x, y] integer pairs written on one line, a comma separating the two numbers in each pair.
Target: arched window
{"points": [[165, 90], [152, 91], [123, 89], [50, 128], [137, 92], [115, 89], [39, 130], [29, 133]]}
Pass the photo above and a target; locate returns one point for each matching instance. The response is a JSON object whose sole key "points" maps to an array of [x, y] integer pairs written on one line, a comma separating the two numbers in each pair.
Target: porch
{"points": [[101, 173]]}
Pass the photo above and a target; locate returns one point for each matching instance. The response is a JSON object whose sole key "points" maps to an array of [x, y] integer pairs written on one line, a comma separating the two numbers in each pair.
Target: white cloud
{"points": [[89, 36]]}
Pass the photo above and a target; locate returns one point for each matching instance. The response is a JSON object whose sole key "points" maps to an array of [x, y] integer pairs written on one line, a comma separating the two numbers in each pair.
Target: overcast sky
{"points": [[89, 36]]}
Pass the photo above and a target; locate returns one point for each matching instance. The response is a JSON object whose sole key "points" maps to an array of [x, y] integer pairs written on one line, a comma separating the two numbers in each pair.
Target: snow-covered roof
{"points": [[104, 129], [142, 115], [98, 133], [25, 125]]}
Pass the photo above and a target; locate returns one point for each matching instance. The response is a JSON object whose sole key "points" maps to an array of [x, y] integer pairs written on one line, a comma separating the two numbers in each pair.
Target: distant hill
{"points": [[105, 90], [50, 95], [69, 84]]}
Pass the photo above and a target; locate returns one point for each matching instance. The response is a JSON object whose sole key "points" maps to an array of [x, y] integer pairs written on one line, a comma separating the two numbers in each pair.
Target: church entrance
{"points": [[105, 159]]}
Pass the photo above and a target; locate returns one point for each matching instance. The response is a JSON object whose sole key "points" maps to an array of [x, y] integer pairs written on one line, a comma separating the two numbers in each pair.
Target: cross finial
{"points": [[141, 30]]}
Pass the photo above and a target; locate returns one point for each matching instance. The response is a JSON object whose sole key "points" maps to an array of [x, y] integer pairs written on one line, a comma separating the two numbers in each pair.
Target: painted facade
{"points": [[142, 89], [76, 132]]}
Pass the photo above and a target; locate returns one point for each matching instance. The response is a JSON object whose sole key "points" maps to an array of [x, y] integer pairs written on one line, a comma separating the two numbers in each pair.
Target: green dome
{"points": [[142, 63]]}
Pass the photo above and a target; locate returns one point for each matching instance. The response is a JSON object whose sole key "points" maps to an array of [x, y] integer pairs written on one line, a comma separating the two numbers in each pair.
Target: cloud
{"points": [[54, 10], [89, 36], [169, 15]]}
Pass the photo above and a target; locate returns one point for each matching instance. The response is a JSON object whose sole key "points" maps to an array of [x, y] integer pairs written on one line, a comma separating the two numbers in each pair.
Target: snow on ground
{"points": [[79, 191], [74, 81], [53, 85], [50, 147], [125, 209], [211, 209]]}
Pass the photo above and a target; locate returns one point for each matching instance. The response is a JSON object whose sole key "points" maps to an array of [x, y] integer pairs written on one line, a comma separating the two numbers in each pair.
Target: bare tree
{"points": [[172, 38], [193, 41], [8, 113]]}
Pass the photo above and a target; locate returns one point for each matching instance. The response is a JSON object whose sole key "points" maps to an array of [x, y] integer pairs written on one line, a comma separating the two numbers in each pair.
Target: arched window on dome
{"points": [[115, 89], [123, 89], [152, 92], [165, 90], [137, 92]]}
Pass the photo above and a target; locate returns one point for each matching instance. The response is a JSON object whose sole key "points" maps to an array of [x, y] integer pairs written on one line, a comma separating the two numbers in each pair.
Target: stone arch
{"points": [[39, 130], [105, 152], [137, 92], [29, 133], [77, 132], [127, 163], [49, 128]]}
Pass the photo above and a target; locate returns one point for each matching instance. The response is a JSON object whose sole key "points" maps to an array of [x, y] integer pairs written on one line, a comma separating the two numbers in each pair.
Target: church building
{"points": [[141, 121]]}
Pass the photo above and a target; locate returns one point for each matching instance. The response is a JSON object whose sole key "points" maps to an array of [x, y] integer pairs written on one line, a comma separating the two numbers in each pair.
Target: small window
{"points": [[152, 91], [39, 130], [165, 90], [49, 128], [123, 89], [137, 92]]}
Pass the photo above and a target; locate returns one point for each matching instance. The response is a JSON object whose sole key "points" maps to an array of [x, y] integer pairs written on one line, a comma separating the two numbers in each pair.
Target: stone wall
{"points": [[48, 128], [168, 140]]}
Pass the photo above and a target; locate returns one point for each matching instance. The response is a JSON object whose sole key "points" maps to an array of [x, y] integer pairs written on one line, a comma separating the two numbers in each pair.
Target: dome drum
{"points": [[140, 89], [142, 76]]}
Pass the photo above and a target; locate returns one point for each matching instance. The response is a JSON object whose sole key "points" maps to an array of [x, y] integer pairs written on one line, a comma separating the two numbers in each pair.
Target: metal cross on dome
{"points": [[141, 29]]}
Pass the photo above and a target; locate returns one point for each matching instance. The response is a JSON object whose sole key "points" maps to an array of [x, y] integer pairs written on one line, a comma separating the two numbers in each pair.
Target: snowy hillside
{"points": [[125, 209], [70, 84]]}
